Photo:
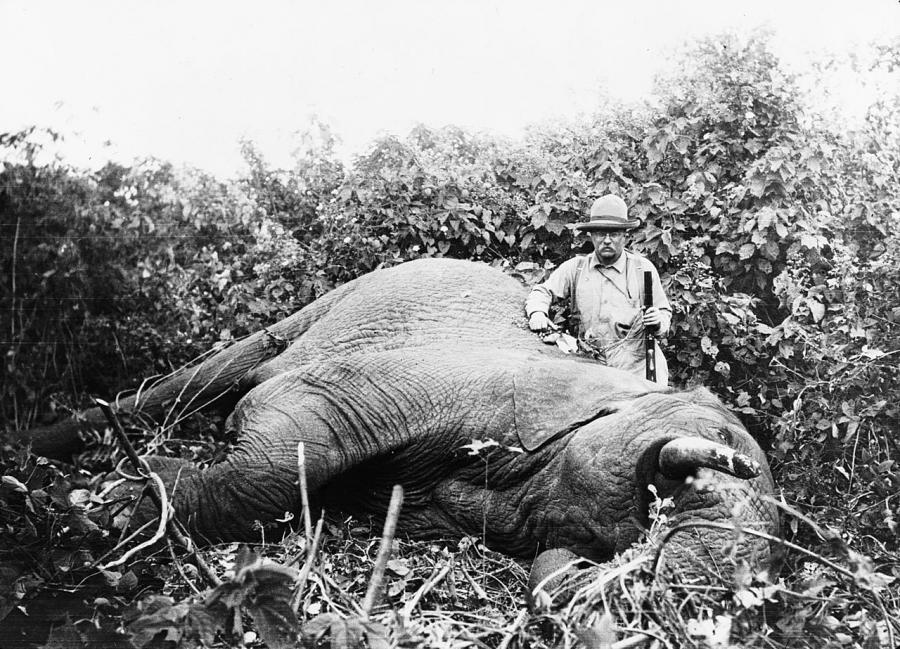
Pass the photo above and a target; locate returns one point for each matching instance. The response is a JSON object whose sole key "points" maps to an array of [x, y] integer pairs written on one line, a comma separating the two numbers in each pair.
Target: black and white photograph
{"points": [[403, 324]]}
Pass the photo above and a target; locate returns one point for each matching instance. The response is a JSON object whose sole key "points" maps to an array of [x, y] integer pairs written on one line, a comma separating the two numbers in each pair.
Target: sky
{"points": [[186, 80]]}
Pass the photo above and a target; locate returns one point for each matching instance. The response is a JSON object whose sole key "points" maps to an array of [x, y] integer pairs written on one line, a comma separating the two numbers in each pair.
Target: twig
{"points": [[304, 493], [122, 542], [451, 583], [160, 530], [180, 569], [512, 629], [384, 551], [136, 505], [633, 641], [350, 603], [598, 584], [313, 549], [823, 534], [174, 527], [180, 393], [181, 416], [436, 577], [479, 591]]}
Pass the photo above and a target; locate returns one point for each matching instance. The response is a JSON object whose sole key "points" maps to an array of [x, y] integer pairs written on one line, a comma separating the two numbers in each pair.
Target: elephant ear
{"points": [[550, 402]]}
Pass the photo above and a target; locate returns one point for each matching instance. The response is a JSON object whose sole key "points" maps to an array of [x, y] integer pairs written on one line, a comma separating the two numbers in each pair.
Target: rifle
{"points": [[649, 345]]}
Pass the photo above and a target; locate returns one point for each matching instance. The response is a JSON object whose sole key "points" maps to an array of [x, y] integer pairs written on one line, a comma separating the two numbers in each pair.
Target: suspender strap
{"points": [[573, 303], [634, 277]]}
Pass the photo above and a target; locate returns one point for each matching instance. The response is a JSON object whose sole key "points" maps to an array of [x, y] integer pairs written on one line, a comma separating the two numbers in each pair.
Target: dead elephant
{"points": [[389, 379]]}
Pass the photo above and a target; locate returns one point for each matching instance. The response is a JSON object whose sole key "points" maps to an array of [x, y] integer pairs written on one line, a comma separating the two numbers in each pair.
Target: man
{"points": [[605, 293]]}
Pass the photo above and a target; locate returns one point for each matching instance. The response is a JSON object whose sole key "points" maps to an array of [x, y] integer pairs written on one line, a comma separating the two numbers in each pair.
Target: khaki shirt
{"points": [[609, 300]]}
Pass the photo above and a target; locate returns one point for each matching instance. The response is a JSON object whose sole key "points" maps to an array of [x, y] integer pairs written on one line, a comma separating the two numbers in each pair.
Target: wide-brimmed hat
{"points": [[608, 213]]}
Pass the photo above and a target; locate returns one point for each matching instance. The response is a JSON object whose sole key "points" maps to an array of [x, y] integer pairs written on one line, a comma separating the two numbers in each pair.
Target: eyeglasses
{"points": [[612, 234]]}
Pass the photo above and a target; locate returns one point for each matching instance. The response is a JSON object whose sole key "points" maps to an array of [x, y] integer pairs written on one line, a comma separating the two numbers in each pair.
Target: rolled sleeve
{"points": [[553, 288]]}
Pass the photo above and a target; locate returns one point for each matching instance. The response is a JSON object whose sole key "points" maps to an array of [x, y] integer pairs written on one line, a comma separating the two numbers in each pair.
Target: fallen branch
{"points": [[122, 542], [436, 577], [633, 641], [173, 526], [304, 493], [480, 593], [179, 567], [300, 585], [164, 514], [384, 551]]}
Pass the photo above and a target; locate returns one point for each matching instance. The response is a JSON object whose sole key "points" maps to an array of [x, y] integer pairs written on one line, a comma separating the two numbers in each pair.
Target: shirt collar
{"points": [[618, 264]]}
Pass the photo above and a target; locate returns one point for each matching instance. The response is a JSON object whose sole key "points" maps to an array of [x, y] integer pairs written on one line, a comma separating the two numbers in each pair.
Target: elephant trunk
{"points": [[718, 523]]}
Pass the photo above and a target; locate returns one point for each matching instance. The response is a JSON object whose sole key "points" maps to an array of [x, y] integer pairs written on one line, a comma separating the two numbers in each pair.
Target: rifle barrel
{"points": [[649, 344]]}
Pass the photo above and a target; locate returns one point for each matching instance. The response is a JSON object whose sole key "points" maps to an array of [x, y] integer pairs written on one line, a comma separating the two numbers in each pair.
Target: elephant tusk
{"points": [[683, 455]]}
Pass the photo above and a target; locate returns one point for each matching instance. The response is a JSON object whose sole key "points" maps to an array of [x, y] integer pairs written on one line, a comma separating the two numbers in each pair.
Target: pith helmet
{"points": [[608, 213]]}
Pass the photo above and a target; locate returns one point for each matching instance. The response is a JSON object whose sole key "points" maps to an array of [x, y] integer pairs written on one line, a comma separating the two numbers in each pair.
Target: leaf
{"points": [[765, 217], [64, 636], [758, 185], [746, 251], [809, 241], [157, 615], [398, 567], [10, 481], [342, 634], [709, 347], [601, 636], [555, 226], [715, 633], [816, 309], [865, 574], [539, 219], [680, 143], [872, 353], [263, 588], [202, 624], [275, 620], [748, 598], [724, 247]]}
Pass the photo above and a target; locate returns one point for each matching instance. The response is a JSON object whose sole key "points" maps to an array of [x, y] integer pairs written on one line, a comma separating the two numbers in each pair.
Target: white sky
{"points": [[185, 80]]}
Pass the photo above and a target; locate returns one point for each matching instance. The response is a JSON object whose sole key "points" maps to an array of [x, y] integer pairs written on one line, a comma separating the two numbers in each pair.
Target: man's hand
{"points": [[540, 322], [652, 318]]}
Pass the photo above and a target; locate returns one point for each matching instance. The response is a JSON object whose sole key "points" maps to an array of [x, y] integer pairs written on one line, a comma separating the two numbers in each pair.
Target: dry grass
{"points": [[454, 594]]}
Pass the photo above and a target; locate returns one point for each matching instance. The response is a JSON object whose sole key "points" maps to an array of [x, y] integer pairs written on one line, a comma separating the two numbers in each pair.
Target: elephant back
{"points": [[422, 303]]}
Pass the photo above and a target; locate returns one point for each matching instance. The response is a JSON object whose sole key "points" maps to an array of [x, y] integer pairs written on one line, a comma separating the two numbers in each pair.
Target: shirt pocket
{"points": [[626, 317]]}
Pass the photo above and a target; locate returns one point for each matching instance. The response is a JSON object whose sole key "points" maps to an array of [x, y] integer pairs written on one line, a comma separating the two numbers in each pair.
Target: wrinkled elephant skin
{"points": [[391, 377]]}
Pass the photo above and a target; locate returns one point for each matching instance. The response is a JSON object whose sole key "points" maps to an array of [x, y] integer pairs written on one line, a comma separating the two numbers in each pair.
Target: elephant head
{"points": [[680, 447], [426, 375]]}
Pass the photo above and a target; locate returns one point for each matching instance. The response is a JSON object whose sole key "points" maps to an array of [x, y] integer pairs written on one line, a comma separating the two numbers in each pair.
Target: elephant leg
{"points": [[553, 572], [235, 500], [254, 491]]}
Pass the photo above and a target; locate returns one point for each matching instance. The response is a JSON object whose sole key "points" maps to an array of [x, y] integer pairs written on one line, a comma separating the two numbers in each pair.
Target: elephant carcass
{"points": [[390, 378]]}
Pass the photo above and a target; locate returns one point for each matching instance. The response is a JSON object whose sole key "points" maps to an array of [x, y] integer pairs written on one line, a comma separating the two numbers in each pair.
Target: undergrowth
{"points": [[313, 589]]}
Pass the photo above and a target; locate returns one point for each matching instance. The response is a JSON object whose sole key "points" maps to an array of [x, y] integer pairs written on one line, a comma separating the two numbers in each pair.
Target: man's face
{"points": [[608, 244]]}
